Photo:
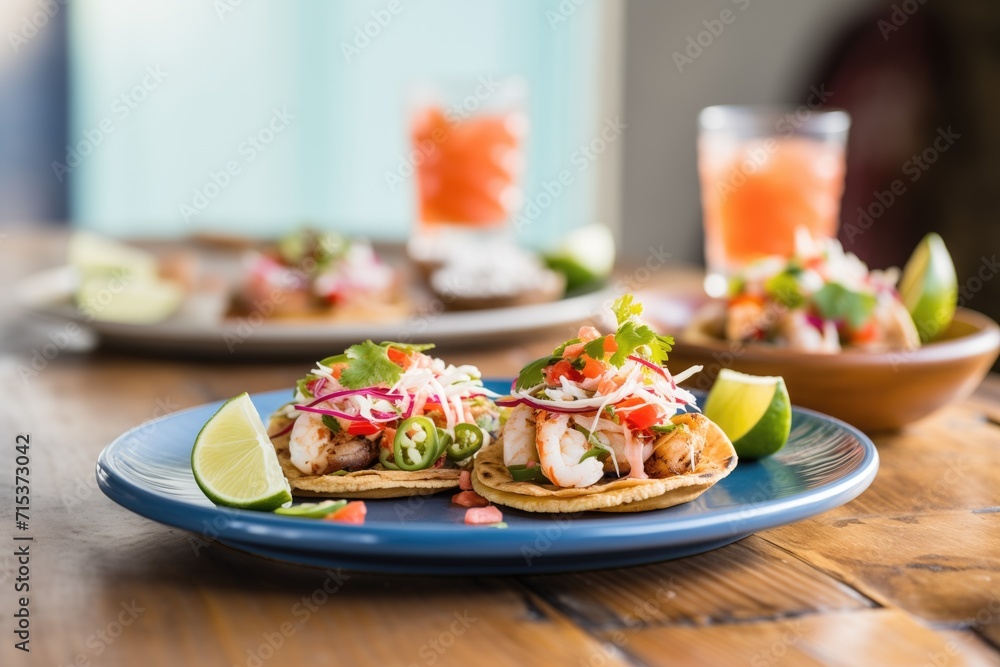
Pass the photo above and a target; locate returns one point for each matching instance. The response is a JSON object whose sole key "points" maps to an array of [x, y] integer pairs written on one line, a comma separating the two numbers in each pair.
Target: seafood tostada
{"points": [[383, 420], [601, 424]]}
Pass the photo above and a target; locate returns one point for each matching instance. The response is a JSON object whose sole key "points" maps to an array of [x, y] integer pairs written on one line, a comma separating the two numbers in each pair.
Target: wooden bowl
{"points": [[871, 390]]}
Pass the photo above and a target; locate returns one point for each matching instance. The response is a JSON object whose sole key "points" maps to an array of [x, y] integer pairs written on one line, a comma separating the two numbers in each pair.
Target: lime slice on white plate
{"points": [[929, 287], [234, 461], [128, 299], [585, 255], [94, 255], [754, 411]]}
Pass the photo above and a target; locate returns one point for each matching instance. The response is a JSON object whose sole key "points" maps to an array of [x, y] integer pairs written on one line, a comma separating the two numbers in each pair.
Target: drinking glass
{"points": [[468, 145], [764, 173]]}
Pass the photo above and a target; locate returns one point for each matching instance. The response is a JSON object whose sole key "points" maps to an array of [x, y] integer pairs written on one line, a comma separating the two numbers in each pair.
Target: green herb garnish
{"points": [[369, 365], [533, 374], [331, 423], [836, 302], [409, 348]]}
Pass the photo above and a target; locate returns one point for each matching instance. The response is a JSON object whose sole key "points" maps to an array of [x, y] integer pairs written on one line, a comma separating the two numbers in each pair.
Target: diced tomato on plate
{"points": [[480, 516], [352, 512], [469, 499]]}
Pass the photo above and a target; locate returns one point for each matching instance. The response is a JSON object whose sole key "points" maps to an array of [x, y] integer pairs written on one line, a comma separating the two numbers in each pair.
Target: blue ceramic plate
{"points": [[825, 464]]}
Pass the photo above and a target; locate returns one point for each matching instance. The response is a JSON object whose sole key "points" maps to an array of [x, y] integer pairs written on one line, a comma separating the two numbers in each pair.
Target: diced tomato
{"points": [[478, 516], [399, 357], [592, 368], [610, 344], [465, 480], [588, 334], [745, 298], [629, 402], [469, 499], [573, 351], [642, 418], [867, 333], [608, 385], [561, 368], [362, 428], [352, 512]]}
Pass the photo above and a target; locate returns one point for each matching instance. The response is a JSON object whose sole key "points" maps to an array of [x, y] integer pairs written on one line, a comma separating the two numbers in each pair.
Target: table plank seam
{"points": [[544, 608]]}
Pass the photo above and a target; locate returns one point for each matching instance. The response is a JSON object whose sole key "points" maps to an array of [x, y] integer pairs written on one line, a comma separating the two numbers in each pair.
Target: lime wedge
{"points": [[313, 510], [754, 411], [929, 287], [585, 256], [234, 461], [128, 299], [95, 255]]}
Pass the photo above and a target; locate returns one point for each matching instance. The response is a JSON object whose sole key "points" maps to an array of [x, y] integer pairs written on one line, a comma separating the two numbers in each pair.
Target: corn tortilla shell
{"points": [[493, 481], [370, 483]]}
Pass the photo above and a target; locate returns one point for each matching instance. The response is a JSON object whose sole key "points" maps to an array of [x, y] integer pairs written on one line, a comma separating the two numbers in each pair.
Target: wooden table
{"points": [[907, 574]]}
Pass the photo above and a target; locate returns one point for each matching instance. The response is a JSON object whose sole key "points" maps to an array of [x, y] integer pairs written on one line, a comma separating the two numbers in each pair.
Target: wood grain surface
{"points": [[907, 574]]}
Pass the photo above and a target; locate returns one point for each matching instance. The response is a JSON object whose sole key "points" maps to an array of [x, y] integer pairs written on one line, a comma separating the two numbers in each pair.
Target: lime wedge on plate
{"points": [[754, 411], [234, 461], [929, 287], [585, 256], [95, 255], [313, 510], [128, 299]]}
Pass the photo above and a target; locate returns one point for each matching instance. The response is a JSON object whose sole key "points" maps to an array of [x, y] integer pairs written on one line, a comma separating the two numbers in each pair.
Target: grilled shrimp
{"points": [[315, 450], [896, 330], [519, 437], [560, 449], [744, 319], [610, 434], [678, 452]]}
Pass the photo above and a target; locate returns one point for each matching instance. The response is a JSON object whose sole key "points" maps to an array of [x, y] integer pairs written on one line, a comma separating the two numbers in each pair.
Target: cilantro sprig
{"points": [[836, 302], [368, 365], [633, 337], [534, 372]]}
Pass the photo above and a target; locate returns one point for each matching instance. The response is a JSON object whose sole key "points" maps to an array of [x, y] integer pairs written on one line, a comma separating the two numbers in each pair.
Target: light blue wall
{"points": [[225, 72]]}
